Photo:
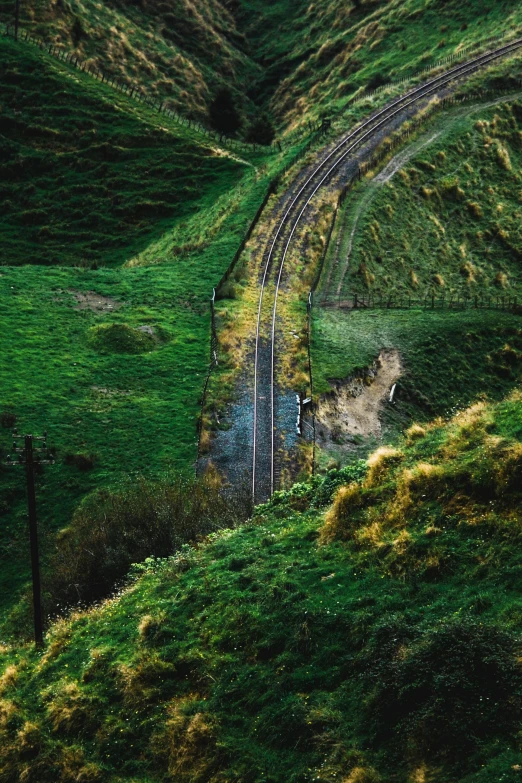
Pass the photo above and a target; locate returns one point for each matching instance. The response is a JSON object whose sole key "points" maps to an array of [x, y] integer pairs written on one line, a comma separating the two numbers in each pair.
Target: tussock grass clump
{"points": [[186, 747], [340, 519], [501, 280], [362, 775], [380, 462], [502, 156], [139, 682], [468, 270], [475, 209], [69, 709], [151, 627], [415, 432]]}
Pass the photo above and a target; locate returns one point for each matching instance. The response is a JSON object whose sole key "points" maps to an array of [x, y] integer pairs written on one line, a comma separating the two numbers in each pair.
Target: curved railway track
{"points": [[264, 462]]}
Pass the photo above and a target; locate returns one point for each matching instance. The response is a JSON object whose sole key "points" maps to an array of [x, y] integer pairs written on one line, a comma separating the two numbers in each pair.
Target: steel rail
{"points": [[405, 100]]}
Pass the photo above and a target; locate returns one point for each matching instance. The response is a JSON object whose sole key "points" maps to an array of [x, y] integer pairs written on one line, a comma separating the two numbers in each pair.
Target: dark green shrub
{"points": [[261, 131], [223, 114], [7, 419], [80, 461], [120, 338], [112, 530], [448, 692]]}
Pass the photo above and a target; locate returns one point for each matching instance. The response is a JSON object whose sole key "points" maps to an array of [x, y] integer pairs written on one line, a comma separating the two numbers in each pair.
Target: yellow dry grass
{"points": [[362, 775], [337, 521], [380, 462], [415, 432], [68, 708], [186, 743]]}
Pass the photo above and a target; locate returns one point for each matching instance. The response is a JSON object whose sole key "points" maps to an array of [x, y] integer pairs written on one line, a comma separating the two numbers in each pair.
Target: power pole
{"points": [[17, 18], [27, 458]]}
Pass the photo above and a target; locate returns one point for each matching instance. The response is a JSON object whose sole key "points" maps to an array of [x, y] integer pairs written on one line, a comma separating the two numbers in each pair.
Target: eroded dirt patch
{"points": [[352, 410], [90, 300]]}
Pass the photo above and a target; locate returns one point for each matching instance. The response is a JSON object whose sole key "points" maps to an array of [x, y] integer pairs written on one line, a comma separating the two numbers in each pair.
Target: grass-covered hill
{"points": [[293, 59], [373, 638], [439, 219], [85, 178], [449, 221], [115, 228], [179, 50], [339, 48]]}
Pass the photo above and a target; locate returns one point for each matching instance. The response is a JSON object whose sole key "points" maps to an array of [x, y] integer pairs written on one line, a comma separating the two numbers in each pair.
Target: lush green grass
{"points": [[120, 385], [386, 652], [449, 358], [447, 223], [84, 179]]}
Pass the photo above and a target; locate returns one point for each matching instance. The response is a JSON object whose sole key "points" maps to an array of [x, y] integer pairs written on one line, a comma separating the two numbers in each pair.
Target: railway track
{"points": [[265, 462]]}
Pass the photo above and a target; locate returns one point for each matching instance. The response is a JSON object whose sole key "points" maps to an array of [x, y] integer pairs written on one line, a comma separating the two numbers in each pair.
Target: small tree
{"points": [[261, 131], [223, 114]]}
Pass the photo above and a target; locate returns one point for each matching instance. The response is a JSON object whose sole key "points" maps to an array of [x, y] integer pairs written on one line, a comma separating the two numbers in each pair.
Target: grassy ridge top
{"points": [[86, 177], [384, 650]]}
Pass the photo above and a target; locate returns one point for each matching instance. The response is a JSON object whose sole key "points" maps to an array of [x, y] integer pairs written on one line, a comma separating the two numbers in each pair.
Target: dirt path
{"points": [[353, 408]]}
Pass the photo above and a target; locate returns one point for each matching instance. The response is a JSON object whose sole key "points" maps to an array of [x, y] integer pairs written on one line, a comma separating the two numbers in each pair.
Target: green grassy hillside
{"points": [[114, 231], [294, 59], [448, 222], [448, 359], [339, 48], [378, 642], [86, 176], [440, 219], [177, 51]]}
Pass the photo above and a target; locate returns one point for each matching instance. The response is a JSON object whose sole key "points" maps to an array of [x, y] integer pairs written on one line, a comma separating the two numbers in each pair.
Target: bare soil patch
{"points": [[90, 300], [352, 409]]}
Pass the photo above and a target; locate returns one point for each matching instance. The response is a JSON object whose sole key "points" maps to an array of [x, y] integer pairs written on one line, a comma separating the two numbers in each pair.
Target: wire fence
{"points": [[430, 302], [139, 95]]}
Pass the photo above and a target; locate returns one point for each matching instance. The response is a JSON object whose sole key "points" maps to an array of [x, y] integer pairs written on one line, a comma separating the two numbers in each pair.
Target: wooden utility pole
{"points": [[26, 457], [17, 18]]}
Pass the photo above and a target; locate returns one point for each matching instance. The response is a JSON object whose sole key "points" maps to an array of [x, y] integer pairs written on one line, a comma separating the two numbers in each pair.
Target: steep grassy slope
{"points": [[449, 359], [296, 59], [334, 49], [175, 50], [110, 360], [440, 219], [380, 644], [448, 222], [85, 178]]}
